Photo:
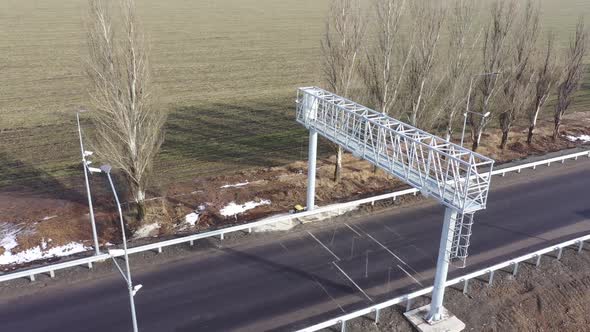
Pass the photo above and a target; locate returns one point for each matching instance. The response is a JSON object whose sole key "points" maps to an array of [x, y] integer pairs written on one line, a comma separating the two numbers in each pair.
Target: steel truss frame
{"points": [[457, 177]]}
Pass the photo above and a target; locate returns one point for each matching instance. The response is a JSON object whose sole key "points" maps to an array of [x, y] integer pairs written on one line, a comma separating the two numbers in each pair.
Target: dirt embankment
{"points": [[553, 297], [64, 220]]}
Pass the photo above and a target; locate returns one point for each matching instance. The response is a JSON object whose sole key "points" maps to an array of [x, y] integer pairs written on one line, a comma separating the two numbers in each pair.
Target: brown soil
{"points": [[65, 220], [553, 297]]}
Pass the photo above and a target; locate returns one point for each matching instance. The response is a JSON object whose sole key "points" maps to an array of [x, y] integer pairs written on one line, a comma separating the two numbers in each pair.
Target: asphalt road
{"points": [[285, 282]]}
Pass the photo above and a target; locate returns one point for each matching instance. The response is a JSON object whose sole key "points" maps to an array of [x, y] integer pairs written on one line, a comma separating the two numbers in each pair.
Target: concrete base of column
{"points": [[449, 323]]}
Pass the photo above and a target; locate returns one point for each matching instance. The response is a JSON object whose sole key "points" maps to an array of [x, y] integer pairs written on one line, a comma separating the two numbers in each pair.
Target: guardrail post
{"points": [[89, 265], [576, 158], [519, 170], [503, 174], [250, 230], [221, 236], [559, 253], [563, 161], [52, 274], [548, 164], [580, 246], [408, 304], [465, 286], [159, 250], [342, 326], [377, 312], [491, 279], [538, 260], [515, 269], [191, 242], [32, 277], [534, 167]]}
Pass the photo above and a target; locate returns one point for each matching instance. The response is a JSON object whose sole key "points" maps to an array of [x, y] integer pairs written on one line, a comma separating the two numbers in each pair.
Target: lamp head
{"points": [[106, 168]]}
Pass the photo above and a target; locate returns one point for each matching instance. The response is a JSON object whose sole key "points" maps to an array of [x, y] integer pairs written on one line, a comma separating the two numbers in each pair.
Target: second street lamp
{"points": [[485, 115], [118, 252]]}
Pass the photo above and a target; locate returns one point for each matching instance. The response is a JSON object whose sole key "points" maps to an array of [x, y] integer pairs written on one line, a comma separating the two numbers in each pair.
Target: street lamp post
{"points": [[113, 253], [469, 101], [86, 171]]}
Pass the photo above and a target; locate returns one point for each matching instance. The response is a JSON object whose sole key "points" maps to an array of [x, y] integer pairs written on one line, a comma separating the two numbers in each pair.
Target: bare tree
{"points": [[341, 47], [517, 86], [383, 70], [421, 83], [129, 128], [494, 58], [462, 39], [545, 78], [573, 72]]}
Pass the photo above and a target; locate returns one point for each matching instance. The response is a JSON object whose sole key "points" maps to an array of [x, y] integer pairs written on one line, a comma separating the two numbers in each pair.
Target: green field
{"points": [[227, 70]]}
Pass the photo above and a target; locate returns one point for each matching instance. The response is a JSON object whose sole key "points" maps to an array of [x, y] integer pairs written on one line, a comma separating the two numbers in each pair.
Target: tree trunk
{"points": [[504, 140], [140, 210], [475, 145], [529, 138], [338, 165], [556, 129], [140, 203], [449, 132], [476, 137]]}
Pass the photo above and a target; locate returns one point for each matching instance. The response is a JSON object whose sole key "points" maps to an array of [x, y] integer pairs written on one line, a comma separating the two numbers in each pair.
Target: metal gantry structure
{"points": [[455, 176]]}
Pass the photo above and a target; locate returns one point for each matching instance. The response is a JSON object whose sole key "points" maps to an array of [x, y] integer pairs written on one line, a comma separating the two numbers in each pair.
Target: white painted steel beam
{"points": [[457, 177]]}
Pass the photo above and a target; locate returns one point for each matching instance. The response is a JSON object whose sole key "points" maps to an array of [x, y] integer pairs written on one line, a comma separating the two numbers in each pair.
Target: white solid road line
{"points": [[394, 255], [320, 242], [409, 275], [387, 249], [352, 229], [352, 281]]}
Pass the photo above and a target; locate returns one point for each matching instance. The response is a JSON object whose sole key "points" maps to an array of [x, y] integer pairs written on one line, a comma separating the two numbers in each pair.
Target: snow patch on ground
{"points": [[233, 209], [147, 230], [38, 253], [191, 218], [581, 138], [8, 233], [8, 240], [237, 185]]}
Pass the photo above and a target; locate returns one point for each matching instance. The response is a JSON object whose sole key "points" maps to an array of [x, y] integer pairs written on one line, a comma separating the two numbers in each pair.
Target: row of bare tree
{"points": [[427, 62], [398, 64]]}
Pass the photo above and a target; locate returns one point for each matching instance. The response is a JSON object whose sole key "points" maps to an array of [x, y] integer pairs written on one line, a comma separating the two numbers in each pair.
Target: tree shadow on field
{"points": [[265, 134], [24, 179]]}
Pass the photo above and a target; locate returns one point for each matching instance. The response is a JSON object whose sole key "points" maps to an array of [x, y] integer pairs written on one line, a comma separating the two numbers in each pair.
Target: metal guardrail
{"points": [[50, 269], [375, 309]]}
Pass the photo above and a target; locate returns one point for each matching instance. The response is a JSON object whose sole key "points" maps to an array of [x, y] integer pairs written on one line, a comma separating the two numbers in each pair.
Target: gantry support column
{"points": [[311, 168], [442, 266]]}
